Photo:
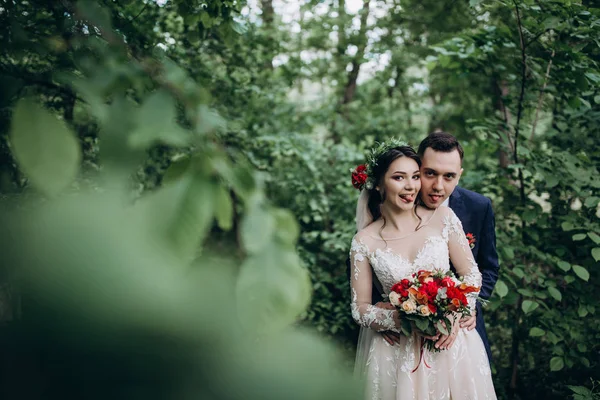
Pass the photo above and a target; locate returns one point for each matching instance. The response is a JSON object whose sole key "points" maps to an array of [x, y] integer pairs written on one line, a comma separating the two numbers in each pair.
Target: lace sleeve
{"points": [[363, 312], [461, 255]]}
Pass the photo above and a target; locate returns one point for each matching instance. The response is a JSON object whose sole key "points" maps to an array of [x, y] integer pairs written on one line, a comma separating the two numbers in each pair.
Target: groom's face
{"points": [[440, 173]]}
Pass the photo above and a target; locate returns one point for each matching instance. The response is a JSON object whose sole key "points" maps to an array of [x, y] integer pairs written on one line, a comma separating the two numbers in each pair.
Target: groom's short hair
{"points": [[441, 141]]}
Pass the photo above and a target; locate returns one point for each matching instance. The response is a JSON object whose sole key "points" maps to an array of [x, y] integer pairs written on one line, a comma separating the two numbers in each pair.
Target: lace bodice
{"points": [[432, 247]]}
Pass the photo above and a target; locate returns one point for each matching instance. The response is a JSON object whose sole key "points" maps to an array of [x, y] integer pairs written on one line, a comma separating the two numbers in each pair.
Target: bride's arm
{"points": [[363, 312], [461, 255]]}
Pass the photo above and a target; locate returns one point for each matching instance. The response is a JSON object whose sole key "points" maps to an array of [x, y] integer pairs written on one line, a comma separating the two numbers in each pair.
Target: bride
{"points": [[396, 238]]}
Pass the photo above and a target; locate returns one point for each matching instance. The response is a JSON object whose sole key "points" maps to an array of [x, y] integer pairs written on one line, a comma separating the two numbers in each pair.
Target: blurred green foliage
{"points": [[175, 182]]}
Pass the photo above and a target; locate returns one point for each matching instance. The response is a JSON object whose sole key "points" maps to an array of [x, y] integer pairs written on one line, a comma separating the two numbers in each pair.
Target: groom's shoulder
{"points": [[473, 199]]}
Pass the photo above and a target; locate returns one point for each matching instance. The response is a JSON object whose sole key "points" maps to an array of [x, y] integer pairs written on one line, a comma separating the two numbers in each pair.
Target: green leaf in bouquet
{"points": [[422, 324], [441, 327], [406, 327]]}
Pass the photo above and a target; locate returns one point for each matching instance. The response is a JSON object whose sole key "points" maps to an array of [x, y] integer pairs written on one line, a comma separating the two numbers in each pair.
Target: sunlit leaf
{"points": [[581, 272], [267, 299], [556, 364], [257, 227], [595, 237], [529, 306], [223, 208], [596, 253], [565, 266], [45, 149], [157, 123], [536, 332], [501, 288], [555, 293]]}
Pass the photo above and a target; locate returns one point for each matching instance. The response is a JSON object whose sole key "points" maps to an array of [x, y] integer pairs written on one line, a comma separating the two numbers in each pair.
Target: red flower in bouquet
{"points": [[359, 177], [448, 282], [427, 300]]}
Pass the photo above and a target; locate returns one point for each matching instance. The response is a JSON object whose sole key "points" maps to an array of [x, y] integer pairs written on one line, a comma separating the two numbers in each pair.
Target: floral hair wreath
{"points": [[362, 176]]}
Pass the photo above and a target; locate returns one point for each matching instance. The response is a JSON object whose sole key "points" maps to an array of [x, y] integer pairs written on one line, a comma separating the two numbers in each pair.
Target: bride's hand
{"points": [[385, 305], [446, 341]]}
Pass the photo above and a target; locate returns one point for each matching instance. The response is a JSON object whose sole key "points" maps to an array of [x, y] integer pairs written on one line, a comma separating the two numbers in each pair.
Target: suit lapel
{"points": [[456, 204]]}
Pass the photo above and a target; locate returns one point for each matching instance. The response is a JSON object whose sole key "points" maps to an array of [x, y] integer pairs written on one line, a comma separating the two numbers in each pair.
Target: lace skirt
{"points": [[405, 372]]}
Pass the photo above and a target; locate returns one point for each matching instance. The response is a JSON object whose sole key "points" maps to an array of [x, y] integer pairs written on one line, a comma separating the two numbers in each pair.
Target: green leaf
{"points": [[536, 332], [181, 213], [501, 288], [565, 266], [157, 123], [406, 327], [595, 237], [287, 230], [581, 390], [582, 311], [593, 77], [581, 272], [223, 208], [473, 3], [422, 324], [238, 26], [442, 328], [567, 226], [529, 306], [45, 149], [555, 293], [556, 364], [257, 227], [596, 253], [266, 299], [579, 236], [551, 23], [176, 170], [508, 252]]}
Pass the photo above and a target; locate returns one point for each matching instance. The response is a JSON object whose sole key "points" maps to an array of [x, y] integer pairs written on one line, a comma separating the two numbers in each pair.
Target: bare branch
{"points": [[539, 103]]}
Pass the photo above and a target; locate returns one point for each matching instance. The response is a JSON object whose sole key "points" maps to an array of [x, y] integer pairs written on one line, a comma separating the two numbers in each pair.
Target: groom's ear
{"points": [[460, 174]]}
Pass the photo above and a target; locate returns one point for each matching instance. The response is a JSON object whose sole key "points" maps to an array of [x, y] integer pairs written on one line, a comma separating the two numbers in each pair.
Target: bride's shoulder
{"points": [[445, 211], [368, 231]]}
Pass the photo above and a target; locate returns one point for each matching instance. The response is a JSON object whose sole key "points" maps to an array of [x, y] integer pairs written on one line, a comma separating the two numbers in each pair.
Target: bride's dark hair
{"points": [[378, 172]]}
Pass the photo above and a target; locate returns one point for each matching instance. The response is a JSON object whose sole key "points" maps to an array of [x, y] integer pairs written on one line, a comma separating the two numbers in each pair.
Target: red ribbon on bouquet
{"points": [[421, 356]]}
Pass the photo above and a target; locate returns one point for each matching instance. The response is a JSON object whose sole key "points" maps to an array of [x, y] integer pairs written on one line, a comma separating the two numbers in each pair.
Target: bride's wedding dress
{"points": [[461, 372]]}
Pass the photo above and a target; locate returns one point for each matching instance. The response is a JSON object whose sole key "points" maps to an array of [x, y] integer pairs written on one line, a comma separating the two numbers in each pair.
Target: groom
{"points": [[441, 156]]}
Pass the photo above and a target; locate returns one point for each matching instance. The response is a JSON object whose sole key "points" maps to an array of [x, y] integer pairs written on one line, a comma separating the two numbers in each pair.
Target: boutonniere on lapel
{"points": [[471, 239]]}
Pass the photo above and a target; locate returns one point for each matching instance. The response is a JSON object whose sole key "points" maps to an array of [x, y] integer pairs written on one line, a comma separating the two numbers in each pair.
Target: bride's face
{"points": [[401, 184]]}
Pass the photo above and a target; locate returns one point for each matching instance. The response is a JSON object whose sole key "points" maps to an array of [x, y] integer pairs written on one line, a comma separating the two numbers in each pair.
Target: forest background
{"points": [[179, 169]]}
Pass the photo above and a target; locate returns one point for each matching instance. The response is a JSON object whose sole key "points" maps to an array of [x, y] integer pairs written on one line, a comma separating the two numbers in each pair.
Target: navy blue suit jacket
{"points": [[477, 217]]}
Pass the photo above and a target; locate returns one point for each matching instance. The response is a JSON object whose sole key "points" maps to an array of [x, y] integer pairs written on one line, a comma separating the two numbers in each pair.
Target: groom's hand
{"points": [[469, 322], [389, 336]]}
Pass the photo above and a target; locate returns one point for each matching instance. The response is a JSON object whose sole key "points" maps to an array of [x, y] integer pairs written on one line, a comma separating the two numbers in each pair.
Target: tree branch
{"points": [[140, 13], [539, 103]]}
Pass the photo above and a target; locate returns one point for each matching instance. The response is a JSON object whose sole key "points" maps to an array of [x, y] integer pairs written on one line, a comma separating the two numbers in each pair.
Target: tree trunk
{"points": [[350, 89], [268, 17], [504, 136]]}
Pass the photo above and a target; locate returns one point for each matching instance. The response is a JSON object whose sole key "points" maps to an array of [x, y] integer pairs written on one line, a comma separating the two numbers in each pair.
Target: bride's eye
{"points": [[397, 178]]}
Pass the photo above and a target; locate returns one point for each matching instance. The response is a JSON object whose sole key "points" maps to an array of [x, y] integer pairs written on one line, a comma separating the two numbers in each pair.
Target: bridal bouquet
{"points": [[428, 299]]}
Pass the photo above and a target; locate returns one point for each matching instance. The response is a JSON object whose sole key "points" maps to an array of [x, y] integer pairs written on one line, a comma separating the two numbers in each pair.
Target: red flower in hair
{"points": [[359, 177]]}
